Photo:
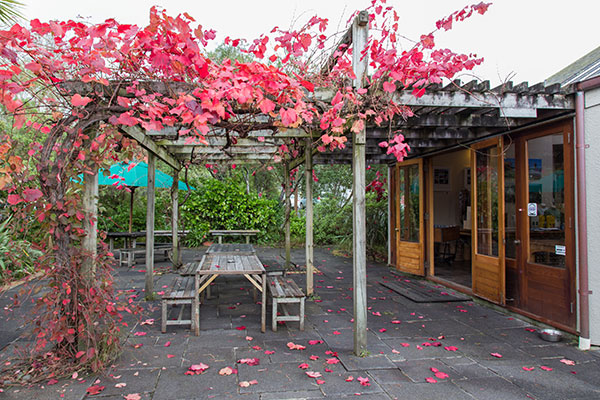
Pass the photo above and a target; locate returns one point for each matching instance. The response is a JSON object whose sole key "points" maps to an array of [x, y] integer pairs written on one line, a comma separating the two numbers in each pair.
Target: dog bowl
{"points": [[550, 335]]}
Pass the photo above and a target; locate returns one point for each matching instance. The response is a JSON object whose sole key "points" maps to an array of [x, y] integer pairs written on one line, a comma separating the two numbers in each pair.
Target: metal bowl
{"points": [[550, 335]]}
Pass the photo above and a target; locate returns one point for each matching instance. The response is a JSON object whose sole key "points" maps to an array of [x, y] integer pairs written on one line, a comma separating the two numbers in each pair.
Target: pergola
{"points": [[445, 117]]}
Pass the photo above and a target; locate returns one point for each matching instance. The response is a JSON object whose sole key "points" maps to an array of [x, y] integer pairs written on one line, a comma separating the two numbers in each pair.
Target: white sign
{"points": [[532, 209], [560, 250]]}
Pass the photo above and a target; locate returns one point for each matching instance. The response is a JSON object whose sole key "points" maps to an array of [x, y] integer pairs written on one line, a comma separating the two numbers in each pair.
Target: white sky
{"points": [[530, 38]]}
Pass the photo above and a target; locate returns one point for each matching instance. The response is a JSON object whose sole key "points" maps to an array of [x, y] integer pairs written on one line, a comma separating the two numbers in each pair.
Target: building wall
{"points": [[592, 166]]}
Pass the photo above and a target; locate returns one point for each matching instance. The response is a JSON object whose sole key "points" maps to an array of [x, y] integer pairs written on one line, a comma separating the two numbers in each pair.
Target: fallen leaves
{"points": [[94, 390], [167, 344], [303, 366], [313, 342], [313, 374], [227, 371], [149, 321], [545, 368], [240, 328], [133, 396], [528, 368], [497, 355], [332, 361], [140, 334], [196, 369], [249, 361], [567, 361], [293, 346], [120, 385], [454, 348], [430, 380], [363, 381], [248, 383]]}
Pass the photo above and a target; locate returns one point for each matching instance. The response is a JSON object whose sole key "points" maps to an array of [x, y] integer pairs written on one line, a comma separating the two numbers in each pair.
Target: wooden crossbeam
{"points": [[135, 132]]}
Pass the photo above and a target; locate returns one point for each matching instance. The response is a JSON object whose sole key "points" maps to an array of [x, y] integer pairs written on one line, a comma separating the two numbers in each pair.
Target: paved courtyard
{"points": [[458, 350]]}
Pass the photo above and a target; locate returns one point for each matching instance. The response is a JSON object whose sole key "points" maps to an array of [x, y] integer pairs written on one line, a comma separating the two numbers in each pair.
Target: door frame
{"points": [[477, 260], [418, 267]]}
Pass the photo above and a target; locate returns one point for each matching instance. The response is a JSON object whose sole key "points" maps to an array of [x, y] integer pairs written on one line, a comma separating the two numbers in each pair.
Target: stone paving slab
{"points": [[230, 331]]}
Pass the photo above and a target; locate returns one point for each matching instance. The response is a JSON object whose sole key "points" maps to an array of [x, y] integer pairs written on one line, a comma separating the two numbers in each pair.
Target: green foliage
{"points": [[17, 258], [225, 204]]}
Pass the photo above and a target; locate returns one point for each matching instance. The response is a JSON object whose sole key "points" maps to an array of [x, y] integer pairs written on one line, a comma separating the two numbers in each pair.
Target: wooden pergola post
{"points": [[360, 30], [288, 241], [90, 240], [175, 219], [309, 219], [150, 227]]}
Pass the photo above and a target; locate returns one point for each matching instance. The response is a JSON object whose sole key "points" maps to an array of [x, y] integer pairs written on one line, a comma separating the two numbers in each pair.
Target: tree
{"points": [[87, 83], [9, 11]]}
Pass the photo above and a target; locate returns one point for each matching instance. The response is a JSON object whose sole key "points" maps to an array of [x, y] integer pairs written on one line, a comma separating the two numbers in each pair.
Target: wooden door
{"points": [[487, 202], [547, 237], [409, 226]]}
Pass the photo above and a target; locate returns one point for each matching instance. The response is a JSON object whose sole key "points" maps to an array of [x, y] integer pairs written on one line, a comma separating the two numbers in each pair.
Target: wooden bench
{"points": [[183, 291], [284, 291], [127, 256]]}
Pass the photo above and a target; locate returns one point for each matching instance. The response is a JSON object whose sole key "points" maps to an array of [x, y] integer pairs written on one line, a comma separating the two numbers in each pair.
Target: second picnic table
{"points": [[219, 233], [214, 264]]}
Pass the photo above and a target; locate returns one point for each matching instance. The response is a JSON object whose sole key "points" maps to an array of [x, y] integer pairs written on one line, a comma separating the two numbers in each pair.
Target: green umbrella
{"points": [[132, 175], [135, 174]]}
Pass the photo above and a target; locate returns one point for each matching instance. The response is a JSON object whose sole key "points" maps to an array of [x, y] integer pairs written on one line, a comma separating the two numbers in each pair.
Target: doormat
{"points": [[421, 292]]}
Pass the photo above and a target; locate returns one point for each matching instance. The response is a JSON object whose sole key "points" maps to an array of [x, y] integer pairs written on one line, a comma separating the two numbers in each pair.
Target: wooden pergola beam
{"points": [[135, 132]]}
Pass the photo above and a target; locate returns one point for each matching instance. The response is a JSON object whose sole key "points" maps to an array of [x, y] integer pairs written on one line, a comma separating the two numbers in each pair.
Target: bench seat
{"points": [[284, 291], [182, 291], [127, 256]]}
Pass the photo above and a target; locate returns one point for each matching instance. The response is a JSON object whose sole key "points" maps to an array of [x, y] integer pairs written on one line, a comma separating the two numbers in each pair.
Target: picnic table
{"points": [[131, 237], [213, 265], [231, 248], [219, 233]]}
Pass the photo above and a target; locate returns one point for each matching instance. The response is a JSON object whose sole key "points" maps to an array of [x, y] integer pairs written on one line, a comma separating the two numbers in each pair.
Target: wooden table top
{"points": [[233, 232], [225, 264]]}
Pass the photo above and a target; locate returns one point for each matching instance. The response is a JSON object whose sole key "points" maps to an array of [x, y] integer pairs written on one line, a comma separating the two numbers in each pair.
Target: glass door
{"points": [[547, 226], [487, 199], [409, 217]]}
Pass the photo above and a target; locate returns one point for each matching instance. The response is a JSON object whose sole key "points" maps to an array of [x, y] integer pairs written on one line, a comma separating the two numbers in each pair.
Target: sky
{"points": [[520, 40]]}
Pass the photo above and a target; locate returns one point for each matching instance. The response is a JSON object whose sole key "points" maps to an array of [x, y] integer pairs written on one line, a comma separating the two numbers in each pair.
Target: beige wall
{"points": [[592, 166]]}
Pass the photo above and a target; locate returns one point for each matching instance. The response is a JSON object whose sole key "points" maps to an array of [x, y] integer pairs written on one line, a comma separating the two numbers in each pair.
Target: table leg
{"points": [[263, 315], [247, 239]]}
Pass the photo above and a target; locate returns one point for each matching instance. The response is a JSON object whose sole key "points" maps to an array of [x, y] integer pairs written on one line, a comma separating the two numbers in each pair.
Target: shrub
{"points": [[17, 258], [226, 205]]}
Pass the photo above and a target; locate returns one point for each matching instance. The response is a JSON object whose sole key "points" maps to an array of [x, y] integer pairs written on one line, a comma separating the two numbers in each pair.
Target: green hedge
{"points": [[225, 204]]}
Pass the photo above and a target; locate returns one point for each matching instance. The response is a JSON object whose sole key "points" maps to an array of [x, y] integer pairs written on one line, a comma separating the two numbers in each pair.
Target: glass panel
{"points": [[487, 200], [409, 203], [510, 219], [546, 200]]}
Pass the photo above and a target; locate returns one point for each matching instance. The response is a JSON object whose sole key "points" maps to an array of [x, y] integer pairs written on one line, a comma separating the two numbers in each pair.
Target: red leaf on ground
{"points": [[320, 381], [95, 389], [293, 346], [497, 355], [396, 322], [350, 378], [451, 348], [363, 381], [269, 352], [313, 342], [303, 366], [430, 380], [133, 396], [170, 355], [337, 333], [167, 344], [567, 361], [313, 374], [249, 361], [545, 368], [314, 358], [52, 381], [332, 361], [528, 368], [240, 328], [441, 375]]}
